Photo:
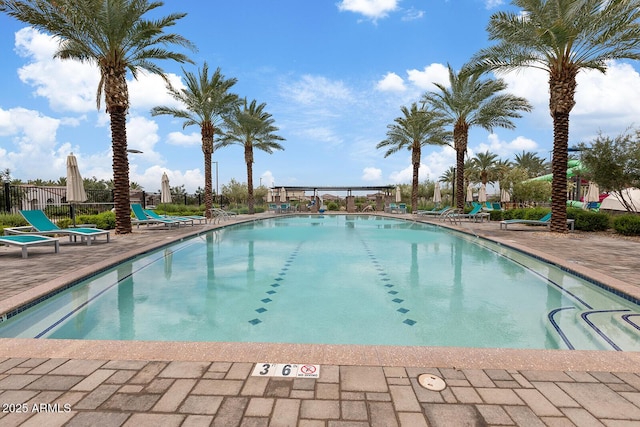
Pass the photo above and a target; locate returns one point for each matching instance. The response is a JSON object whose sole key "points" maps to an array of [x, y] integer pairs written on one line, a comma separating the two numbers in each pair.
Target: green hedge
{"points": [[589, 221], [627, 225], [104, 220]]}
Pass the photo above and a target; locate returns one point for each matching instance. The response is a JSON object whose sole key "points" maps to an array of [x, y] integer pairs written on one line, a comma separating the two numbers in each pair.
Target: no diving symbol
{"points": [[308, 369]]}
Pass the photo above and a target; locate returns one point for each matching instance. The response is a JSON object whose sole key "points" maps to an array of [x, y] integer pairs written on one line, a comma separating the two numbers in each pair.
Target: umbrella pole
{"points": [[73, 215]]}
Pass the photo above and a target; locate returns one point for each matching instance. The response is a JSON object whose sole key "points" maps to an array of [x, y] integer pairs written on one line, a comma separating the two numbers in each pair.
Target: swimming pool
{"points": [[338, 280]]}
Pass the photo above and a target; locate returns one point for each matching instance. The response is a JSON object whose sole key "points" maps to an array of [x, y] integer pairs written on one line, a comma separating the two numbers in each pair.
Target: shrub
{"points": [[12, 220], [525, 213], [627, 225], [104, 220], [332, 206], [589, 221], [496, 215]]}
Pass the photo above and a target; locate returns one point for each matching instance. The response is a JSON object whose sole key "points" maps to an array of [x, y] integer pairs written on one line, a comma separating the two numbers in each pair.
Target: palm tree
{"points": [[468, 102], [561, 37], [448, 176], [485, 166], [206, 100], [113, 35], [252, 128], [531, 162], [417, 128]]}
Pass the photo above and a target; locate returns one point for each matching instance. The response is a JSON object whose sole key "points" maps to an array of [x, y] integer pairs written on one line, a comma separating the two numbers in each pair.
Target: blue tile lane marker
{"points": [[281, 277], [382, 277]]}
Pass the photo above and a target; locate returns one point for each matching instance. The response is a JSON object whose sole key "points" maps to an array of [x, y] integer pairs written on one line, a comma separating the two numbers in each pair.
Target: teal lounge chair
{"points": [[476, 214], [42, 225], [434, 211], [24, 241], [140, 217], [545, 220], [185, 219]]}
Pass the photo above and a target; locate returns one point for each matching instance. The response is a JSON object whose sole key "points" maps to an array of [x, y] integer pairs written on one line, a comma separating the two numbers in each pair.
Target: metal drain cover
{"points": [[431, 382]]}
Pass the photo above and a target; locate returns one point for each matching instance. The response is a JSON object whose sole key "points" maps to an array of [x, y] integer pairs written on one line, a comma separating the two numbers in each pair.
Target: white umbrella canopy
{"points": [[437, 197], [470, 193], [75, 187], [593, 193], [505, 197], [398, 195], [165, 189], [482, 194]]}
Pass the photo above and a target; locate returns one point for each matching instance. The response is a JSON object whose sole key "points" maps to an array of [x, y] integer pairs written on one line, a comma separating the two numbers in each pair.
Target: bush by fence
{"points": [[627, 225]]}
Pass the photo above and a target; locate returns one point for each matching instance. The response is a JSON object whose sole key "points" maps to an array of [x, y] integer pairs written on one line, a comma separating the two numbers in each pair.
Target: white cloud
{"points": [[267, 179], [150, 90], [505, 149], [150, 178], [314, 90], [372, 9], [371, 174], [603, 101], [391, 82], [424, 79], [142, 134], [413, 14], [490, 4], [322, 134], [405, 176], [186, 140], [52, 78]]}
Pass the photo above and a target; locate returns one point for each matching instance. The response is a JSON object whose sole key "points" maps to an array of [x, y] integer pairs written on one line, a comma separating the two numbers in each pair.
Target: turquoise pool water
{"points": [[338, 280]]}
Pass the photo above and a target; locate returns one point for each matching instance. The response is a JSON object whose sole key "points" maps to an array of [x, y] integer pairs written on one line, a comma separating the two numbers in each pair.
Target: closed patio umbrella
{"points": [[505, 197], [165, 190], [470, 193], [482, 194], [593, 193], [437, 196], [75, 186], [398, 195]]}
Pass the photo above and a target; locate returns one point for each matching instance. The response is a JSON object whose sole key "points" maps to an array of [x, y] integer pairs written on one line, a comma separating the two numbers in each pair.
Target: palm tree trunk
{"points": [[248, 157], [207, 132], [121, 198], [415, 160], [562, 89], [116, 96], [559, 171], [460, 135], [459, 179]]}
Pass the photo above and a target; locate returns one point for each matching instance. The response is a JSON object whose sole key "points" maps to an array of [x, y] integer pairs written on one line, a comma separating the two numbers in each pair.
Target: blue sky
{"points": [[333, 74]]}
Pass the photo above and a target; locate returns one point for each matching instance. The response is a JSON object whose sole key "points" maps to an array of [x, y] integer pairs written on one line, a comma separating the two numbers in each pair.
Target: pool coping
{"points": [[458, 357]]}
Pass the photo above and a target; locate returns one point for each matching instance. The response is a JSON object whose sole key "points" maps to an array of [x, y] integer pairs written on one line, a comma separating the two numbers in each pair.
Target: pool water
{"points": [[338, 279]]}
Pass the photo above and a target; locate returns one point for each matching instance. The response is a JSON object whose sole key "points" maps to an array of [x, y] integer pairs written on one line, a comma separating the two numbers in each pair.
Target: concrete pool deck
{"points": [[159, 383]]}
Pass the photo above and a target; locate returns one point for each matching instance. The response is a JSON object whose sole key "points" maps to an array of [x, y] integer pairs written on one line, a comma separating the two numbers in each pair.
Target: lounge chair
{"points": [[24, 241], [185, 219], [476, 214], [434, 211], [140, 217], [218, 214], [40, 224], [545, 220]]}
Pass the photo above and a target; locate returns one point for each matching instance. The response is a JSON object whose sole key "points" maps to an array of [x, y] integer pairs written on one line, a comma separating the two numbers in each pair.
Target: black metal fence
{"points": [[53, 201]]}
